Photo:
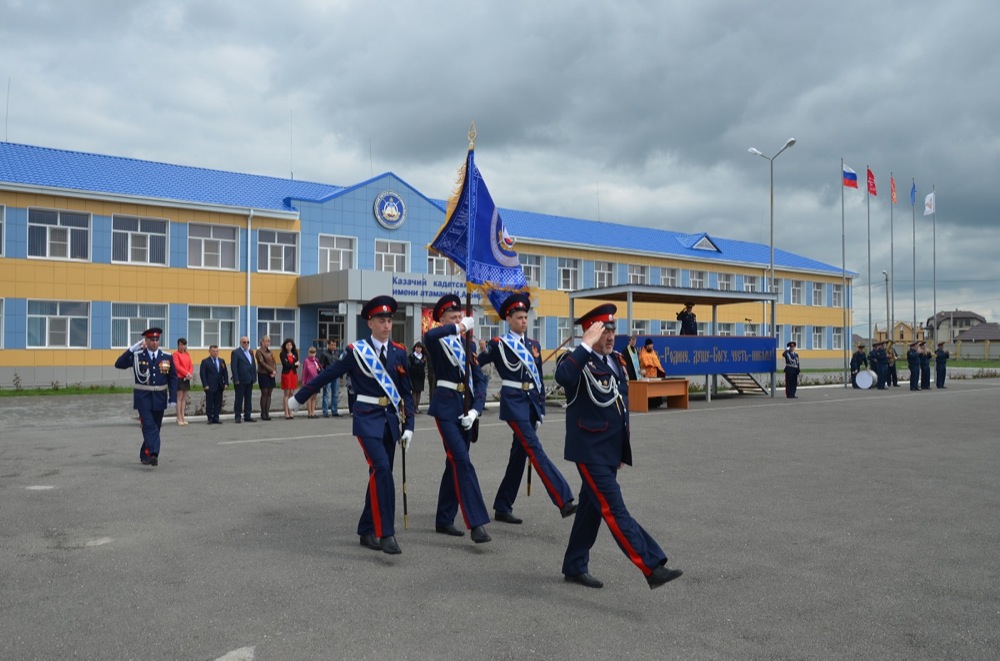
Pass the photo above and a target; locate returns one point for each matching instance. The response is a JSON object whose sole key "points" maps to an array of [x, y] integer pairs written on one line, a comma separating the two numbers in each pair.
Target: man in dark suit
{"points": [[518, 362], [215, 379], [244, 367], [384, 403], [597, 440], [448, 349], [155, 389]]}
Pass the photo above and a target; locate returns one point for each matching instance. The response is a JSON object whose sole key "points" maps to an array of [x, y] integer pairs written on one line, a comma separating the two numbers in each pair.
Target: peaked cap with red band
{"points": [[514, 303], [380, 306], [602, 314], [447, 303], [153, 333]]}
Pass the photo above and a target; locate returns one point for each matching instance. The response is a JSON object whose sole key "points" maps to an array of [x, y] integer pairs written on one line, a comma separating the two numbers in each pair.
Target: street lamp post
{"points": [[770, 284]]}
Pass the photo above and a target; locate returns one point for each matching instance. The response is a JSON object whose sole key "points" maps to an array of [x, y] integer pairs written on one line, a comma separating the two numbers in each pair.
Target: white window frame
{"points": [[345, 257], [641, 327], [751, 330], [269, 323], [391, 256], [727, 282], [142, 239], [703, 327], [537, 329], [328, 320], [219, 242], [220, 327], [838, 339], [604, 274], [638, 274], [277, 251], [486, 328], [3, 243], [670, 327], [1, 323], [564, 329], [818, 294], [838, 296], [438, 265], [699, 279], [128, 320], [670, 277], [778, 287], [60, 234], [798, 293], [819, 337], [61, 321], [569, 274], [726, 329], [751, 283], [533, 267], [798, 336]]}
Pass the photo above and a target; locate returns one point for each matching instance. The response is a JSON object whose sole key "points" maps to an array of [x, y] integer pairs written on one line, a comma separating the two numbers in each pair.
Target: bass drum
{"points": [[865, 379]]}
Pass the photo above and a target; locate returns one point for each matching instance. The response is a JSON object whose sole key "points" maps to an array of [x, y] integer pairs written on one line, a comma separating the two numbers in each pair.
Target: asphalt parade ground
{"points": [[842, 525]]}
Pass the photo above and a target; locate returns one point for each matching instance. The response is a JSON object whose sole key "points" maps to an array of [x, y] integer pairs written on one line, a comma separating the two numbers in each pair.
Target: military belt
{"points": [[140, 386], [451, 385], [527, 385], [368, 399]]}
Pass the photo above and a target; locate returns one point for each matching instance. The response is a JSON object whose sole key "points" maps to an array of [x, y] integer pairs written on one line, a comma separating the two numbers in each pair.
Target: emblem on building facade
{"points": [[390, 210]]}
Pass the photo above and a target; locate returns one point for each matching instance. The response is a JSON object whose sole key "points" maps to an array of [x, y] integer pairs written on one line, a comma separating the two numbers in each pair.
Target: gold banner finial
{"points": [[472, 135]]}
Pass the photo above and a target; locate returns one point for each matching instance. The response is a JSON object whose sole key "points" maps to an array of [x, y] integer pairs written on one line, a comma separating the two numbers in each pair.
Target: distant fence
{"points": [[985, 350]]}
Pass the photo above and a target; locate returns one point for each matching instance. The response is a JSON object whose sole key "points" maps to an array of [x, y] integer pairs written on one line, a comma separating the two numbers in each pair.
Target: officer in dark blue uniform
{"points": [[791, 370], [688, 319], [448, 349], [597, 440], [941, 364], [913, 362], [881, 362], [154, 390], [858, 360], [925, 367], [377, 367], [518, 362]]}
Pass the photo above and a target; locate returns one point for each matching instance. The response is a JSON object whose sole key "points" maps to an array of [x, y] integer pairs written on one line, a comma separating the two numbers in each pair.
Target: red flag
{"points": [[892, 180], [871, 183]]}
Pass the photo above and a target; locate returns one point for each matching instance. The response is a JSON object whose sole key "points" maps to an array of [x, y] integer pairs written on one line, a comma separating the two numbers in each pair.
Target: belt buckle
{"points": [[383, 401], [460, 387], [526, 386]]}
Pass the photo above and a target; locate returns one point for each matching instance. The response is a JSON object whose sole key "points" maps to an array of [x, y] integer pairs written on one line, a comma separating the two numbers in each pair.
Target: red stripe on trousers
{"points": [[534, 462], [609, 518], [372, 492], [454, 475]]}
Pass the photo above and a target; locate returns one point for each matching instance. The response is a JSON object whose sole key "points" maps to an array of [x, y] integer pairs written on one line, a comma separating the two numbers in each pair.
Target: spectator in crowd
{"points": [[267, 370], [310, 368], [331, 391], [185, 370], [418, 371], [289, 372]]}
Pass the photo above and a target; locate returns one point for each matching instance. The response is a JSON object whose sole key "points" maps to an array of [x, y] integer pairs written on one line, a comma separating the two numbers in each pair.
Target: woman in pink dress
{"points": [[310, 368]]}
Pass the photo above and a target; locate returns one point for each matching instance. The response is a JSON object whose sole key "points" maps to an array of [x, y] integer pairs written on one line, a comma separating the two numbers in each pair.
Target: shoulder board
{"points": [[399, 346], [621, 359]]}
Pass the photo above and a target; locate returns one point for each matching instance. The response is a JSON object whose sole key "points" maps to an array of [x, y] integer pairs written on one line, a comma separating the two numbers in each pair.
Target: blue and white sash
{"points": [[371, 366], [519, 348], [454, 346]]}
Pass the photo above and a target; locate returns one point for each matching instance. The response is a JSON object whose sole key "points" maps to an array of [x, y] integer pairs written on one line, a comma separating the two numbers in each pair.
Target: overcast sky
{"points": [[637, 112]]}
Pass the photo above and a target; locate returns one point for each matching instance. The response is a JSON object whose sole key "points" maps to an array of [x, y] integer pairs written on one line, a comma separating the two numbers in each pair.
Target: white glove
{"points": [[138, 345], [406, 439], [293, 404], [538, 423], [467, 324], [469, 418]]}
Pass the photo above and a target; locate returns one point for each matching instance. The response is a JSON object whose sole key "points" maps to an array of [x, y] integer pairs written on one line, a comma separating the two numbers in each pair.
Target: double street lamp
{"points": [[770, 284]]}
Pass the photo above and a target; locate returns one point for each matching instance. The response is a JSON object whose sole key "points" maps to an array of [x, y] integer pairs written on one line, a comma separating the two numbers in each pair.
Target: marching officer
{"points": [[941, 364], [791, 370], [913, 362], [518, 362], [384, 404], [597, 440], [155, 389], [448, 350], [925, 367], [858, 359]]}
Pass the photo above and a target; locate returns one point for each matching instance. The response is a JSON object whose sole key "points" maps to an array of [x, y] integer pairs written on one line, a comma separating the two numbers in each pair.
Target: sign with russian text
{"points": [[684, 355]]}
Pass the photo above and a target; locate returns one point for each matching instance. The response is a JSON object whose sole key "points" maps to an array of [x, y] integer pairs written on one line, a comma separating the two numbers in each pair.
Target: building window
{"points": [[669, 277], [640, 327], [703, 328], [726, 281], [128, 320], [212, 247], [838, 339], [798, 288], [58, 324], [532, 267], [336, 253], [1, 237], [277, 251], [569, 274], [437, 265], [819, 337], [278, 323], [390, 256], [726, 329], [818, 290], [778, 288], [751, 330], [138, 241], [536, 329], [331, 326], [838, 296], [638, 274], [751, 283], [486, 328], [1, 323], [58, 234], [670, 327], [798, 335], [604, 274], [564, 328], [699, 279], [208, 325]]}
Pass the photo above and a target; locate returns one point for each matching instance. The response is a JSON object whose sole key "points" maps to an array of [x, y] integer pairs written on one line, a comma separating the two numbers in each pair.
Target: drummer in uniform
{"points": [[155, 389], [913, 363], [383, 416], [858, 359]]}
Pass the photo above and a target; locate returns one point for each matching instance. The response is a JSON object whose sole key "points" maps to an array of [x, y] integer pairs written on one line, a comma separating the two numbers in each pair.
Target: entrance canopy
{"points": [[667, 295]]}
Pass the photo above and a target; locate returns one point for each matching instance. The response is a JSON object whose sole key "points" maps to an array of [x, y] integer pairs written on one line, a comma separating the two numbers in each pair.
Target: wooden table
{"points": [[674, 390]]}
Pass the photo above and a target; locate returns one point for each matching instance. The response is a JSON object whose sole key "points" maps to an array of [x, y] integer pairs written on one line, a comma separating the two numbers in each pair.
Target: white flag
{"points": [[929, 204]]}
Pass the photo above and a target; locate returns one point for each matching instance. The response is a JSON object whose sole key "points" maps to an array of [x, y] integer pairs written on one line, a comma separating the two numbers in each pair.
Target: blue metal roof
{"points": [[57, 168]]}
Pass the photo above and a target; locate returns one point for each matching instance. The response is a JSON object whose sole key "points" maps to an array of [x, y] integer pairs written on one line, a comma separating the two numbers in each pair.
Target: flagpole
{"points": [[467, 400], [892, 257], [868, 205], [913, 213], [934, 260], [848, 340]]}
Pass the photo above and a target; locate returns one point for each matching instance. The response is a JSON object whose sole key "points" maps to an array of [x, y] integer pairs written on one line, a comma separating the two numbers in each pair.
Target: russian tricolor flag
{"points": [[850, 177]]}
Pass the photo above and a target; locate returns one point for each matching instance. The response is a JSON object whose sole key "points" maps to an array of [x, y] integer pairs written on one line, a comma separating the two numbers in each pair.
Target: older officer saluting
{"points": [[448, 353], [377, 367], [155, 388], [597, 439]]}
